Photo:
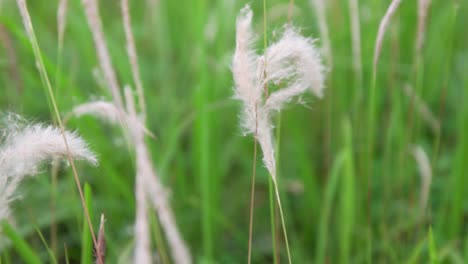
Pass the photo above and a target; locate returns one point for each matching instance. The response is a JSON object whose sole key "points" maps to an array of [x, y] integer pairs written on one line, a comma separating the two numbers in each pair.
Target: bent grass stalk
{"points": [[41, 68], [270, 191], [371, 114]]}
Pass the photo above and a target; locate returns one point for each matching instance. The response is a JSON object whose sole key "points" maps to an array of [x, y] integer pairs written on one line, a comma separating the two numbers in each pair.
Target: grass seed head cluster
{"points": [[25, 147]]}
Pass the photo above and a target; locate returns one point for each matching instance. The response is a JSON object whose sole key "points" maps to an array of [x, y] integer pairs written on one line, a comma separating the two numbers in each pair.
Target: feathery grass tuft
{"points": [[292, 63], [26, 147]]}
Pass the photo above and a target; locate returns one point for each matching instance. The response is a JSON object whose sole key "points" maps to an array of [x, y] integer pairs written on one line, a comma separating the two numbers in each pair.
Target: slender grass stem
{"points": [[273, 210], [265, 45], [42, 70], [252, 191], [274, 237], [370, 150], [157, 233], [283, 223]]}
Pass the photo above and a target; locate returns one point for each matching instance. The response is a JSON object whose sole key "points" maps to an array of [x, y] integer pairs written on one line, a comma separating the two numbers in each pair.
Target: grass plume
{"points": [[25, 147], [293, 63], [148, 184]]}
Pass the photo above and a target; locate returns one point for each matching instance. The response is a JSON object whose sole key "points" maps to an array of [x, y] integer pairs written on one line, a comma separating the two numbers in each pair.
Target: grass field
{"points": [[353, 187]]}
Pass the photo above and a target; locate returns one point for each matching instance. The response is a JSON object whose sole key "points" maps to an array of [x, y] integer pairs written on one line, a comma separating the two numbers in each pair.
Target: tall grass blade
{"points": [[326, 208], [86, 240], [433, 254], [26, 253], [347, 203]]}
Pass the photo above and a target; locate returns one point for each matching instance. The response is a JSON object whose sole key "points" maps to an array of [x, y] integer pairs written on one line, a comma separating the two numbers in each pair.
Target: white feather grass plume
{"points": [[293, 63], [25, 147]]}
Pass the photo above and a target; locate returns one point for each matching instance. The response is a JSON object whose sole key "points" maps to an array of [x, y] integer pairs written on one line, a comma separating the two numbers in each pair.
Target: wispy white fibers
{"points": [[108, 112], [245, 69], [103, 110], [25, 147], [293, 63]]}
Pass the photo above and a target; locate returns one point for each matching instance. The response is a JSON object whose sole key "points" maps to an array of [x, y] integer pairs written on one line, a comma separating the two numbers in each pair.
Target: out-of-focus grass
{"points": [[184, 52]]}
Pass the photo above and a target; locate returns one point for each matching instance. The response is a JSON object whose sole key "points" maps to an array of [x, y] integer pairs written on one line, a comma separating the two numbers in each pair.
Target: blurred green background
{"points": [[185, 50]]}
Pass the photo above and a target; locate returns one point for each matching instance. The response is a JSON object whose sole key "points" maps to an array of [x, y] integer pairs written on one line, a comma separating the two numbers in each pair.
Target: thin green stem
{"points": [[252, 191], [273, 220], [283, 223], [273, 211], [42, 70], [370, 150]]}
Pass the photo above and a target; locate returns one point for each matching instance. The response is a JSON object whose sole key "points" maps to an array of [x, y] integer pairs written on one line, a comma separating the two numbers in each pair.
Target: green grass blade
{"points": [[51, 253], [330, 190], [86, 240], [347, 210], [25, 252], [433, 255]]}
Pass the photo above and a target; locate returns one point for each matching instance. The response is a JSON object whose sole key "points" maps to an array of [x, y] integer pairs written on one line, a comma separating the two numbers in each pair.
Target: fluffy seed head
{"points": [[25, 147], [292, 64], [24, 150], [245, 68]]}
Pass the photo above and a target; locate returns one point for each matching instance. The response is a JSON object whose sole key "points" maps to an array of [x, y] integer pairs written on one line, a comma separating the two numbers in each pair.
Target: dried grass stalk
{"points": [[133, 58], [94, 21], [356, 38], [61, 20], [425, 172], [422, 108], [100, 255], [320, 7], [382, 29], [423, 9]]}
